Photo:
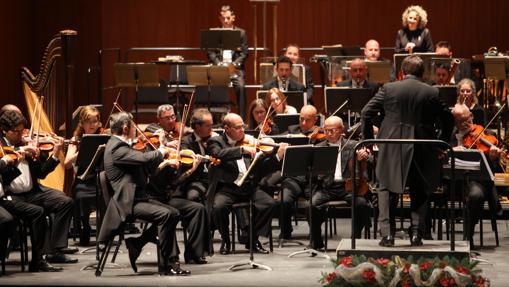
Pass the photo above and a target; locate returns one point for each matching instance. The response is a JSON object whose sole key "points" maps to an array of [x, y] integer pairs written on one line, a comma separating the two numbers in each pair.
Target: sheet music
{"points": [[465, 164]]}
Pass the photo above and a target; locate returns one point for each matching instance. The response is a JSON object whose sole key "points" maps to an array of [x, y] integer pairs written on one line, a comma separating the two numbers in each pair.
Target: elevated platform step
{"points": [[431, 248]]}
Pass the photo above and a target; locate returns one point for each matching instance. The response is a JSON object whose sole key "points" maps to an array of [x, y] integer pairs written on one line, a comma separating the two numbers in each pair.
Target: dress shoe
{"points": [[43, 266], [225, 248], [69, 250], [387, 241], [134, 252], [175, 270], [243, 237], [195, 260], [258, 248], [416, 240], [59, 257]]}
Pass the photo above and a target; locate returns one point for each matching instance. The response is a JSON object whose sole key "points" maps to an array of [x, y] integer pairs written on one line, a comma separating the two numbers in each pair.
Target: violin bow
{"points": [[487, 125]]}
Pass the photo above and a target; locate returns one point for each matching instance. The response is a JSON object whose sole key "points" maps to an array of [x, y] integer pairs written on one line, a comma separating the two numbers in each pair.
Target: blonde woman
{"points": [[414, 36]]}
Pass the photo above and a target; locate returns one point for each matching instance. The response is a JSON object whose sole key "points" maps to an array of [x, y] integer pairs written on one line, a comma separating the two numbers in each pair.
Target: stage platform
{"points": [[402, 248]]}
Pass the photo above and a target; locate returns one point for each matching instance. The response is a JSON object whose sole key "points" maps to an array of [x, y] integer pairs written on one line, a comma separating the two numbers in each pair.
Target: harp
{"points": [[54, 82]]}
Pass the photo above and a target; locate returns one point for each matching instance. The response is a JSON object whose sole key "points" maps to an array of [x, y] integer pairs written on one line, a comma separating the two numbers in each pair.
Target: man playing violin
{"points": [[226, 187], [167, 120], [127, 170], [26, 188], [332, 187], [476, 191]]}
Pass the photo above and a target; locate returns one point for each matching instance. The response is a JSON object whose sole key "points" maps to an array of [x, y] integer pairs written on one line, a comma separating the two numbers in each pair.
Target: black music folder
{"points": [[220, 39], [283, 121], [357, 98]]}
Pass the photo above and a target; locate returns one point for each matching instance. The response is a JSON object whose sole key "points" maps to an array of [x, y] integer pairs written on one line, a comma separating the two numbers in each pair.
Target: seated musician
{"points": [[307, 125], [477, 191], [167, 120], [284, 81], [126, 170], [441, 77], [463, 70], [372, 53], [332, 187], [26, 188], [467, 95], [31, 214], [84, 191], [293, 52], [276, 99], [359, 76], [226, 188], [235, 59], [257, 112], [195, 186]]}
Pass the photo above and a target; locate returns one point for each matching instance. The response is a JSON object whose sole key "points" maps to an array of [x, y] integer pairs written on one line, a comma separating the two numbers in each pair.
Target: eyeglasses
{"points": [[169, 118], [239, 127], [302, 119], [332, 130]]}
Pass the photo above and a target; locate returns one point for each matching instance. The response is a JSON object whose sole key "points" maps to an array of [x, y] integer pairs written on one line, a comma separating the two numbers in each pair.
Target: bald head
{"points": [[9, 107], [333, 127], [233, 126], [372, 50], [307, 117], [462, 117], [334, 121], [358, 70]]}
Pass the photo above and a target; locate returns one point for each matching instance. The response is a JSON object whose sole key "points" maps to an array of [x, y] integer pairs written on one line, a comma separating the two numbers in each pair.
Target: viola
{"points": [[479, 140]]}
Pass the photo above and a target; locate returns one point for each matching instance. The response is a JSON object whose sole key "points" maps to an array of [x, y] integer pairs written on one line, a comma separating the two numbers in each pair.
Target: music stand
{"points": [[496, 67], [470, 165], [89, 160], [296, 99], [292, 140], [209, 76], [426, 58], [136, 75], [220, 39], [379, 71], [356, 99], [448, 94], [283, 121], [311, 161]]}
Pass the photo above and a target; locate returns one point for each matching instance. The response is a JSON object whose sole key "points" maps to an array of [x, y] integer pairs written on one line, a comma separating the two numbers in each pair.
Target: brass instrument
{"points": [[58, 104]]}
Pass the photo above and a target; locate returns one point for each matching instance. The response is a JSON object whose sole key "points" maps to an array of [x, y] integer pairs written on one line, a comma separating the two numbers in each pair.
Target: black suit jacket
{"points": [[238, 58], [190, 142], [368, 85], [126, 171], [293, 86], [411, 110], [346, 155]]}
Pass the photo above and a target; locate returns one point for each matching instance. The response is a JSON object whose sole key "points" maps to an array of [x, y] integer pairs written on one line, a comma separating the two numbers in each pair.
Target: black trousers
{"points": [[475, 195], [164, 219], [56, 203], [239, 84], [291, 189], [84, 204], [32, 215], [226, 196], [336, 192], [195, 220]]}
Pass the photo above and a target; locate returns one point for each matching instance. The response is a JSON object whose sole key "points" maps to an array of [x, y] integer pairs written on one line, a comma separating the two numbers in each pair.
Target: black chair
{"points": [[22, 238], [330, 208]]}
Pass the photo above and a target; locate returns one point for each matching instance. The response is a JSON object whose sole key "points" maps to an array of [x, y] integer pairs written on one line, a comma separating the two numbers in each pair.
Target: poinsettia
{"points": [[383, 261], [368, 275]]}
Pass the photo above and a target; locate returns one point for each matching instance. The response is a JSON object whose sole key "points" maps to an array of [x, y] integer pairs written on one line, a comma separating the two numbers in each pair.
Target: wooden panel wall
{"points": [[472, 26]]}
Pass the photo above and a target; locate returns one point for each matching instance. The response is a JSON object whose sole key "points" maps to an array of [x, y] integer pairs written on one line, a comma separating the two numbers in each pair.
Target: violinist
{"points": [[467, 95], [26, 188], [476, 191], [167, 120], [307, 125], [332, 187], [257, 112], [225, 188], [276, 99], [83, 191]]}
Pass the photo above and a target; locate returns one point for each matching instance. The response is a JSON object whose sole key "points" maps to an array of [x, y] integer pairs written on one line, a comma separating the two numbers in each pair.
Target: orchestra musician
{"points": [[332, 187], [410, 109], [167, 120], [358, 76], [283, 80], [372, 53], [276, 99], [26, 188], [464, 69], [292, 51], [467, 95], [257, 112], [225, 188], [12, 208], [307, 125], [441, 74], [235, 58], [127, 170], [83, 191], [476, 191], [414, 36]]}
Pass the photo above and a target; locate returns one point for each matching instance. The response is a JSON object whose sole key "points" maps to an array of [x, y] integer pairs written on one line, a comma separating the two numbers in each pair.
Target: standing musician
{"points": [[414, 36], [167, 120], [410, 109], [476, 191], [226, 188], [332, 187], [127, 170], [26, 188], [235, 58], [84, 191]]}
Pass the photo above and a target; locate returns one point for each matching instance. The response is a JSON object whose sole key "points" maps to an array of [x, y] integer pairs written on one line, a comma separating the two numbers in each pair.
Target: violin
{"points": [[317, 134], [267, 126], [9, 151], [187, 157], [479, 140], [147, 139], [265, 145]]}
